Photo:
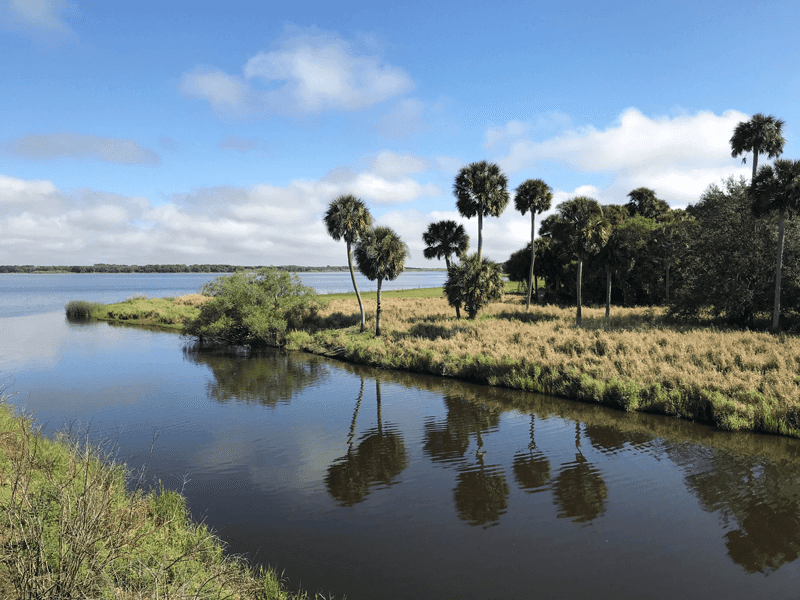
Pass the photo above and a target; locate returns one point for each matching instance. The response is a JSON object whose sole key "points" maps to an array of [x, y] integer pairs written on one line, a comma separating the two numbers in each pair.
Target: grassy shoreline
{"points": [[635, 361], [71, 527]]}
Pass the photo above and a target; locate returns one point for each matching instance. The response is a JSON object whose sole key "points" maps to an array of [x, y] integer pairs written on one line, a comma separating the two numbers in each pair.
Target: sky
{"points": [[219, 132]]}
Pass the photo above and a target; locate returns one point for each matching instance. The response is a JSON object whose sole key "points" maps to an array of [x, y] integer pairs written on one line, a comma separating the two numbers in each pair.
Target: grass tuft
{"points": [[80, 309]]}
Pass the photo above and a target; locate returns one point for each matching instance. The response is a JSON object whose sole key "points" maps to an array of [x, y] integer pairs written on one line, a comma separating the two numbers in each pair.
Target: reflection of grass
{"points": [[637, 360], [70, 529]]}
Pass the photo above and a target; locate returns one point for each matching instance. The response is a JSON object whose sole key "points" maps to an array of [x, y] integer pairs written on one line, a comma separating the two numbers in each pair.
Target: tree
{"points": [[380, 254], [643, 202], [760, 135], [473, 283], [252, 308], [444, 239], [777, 189], [533, 195], [349, 218], [729, 267], [587, 231], [480, 189]]}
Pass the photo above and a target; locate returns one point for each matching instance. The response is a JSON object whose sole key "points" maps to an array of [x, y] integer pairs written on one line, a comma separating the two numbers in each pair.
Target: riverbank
{"points": [[637, 360], [70, 527]]}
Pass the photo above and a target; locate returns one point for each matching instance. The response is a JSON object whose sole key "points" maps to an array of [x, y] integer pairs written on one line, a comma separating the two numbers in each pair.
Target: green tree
{"points": [[587, 231], [533, 195], [380, 254], [643, 202], [252, 308], [444, 239], [349, 218], [762, 134], [473, 283], [480, 189], [777, 189]]}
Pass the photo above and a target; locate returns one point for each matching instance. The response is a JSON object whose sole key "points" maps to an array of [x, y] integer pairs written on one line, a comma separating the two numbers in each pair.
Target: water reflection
{"points": [[267, 378], [377, 461], [481, 493], [580, 492], [448, 441], [532, 468]]}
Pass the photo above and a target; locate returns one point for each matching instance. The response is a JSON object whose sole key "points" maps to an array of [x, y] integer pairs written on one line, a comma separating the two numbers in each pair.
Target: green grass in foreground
{"points": [[69, 528]]}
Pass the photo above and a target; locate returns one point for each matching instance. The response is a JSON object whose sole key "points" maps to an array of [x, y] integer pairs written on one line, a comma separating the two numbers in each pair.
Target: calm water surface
{"points": [[377, 484]]}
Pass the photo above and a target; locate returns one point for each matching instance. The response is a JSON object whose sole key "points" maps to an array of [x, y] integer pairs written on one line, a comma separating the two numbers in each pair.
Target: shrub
{"points": [[80, 309], [253, 308], [473, 283]]}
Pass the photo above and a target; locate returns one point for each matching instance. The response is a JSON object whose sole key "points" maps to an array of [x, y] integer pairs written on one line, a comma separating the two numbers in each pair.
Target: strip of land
{"points": [[637, 360]]}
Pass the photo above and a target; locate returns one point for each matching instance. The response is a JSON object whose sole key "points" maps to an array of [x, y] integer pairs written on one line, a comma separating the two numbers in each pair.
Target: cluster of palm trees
{"points": [[481, 190]]}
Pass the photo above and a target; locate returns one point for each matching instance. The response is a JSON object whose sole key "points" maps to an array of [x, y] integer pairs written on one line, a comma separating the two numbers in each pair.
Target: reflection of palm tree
{"points": [[580, 491], [532, 468], [481, 494], [449, 441], [379, 458]]}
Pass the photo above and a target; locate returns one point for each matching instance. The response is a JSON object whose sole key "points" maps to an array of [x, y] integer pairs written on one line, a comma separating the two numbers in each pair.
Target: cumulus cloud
{"points": [[107, 149], [37, 16], [676, 156], [309, 73]]}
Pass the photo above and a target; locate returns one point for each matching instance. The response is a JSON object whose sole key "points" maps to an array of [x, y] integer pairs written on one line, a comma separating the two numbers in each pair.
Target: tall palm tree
{"points": [[348, 217], [587, 232], [777, 188], [533, 195], [760, 135], [643, 202], [480, 189], [444, 239], [380, 254]]}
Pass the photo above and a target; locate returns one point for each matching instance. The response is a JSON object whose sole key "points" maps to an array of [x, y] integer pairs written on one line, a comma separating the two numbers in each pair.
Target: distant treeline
{"points": [[105, 268]]}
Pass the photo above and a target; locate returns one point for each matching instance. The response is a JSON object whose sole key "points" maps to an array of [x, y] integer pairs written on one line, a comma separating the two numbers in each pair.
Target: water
{"points": [[377, 484], [22, 294]]}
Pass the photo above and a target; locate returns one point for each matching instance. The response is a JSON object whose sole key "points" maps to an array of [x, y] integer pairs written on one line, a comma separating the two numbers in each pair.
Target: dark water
{"points": [[34, 294], [378, 484]]}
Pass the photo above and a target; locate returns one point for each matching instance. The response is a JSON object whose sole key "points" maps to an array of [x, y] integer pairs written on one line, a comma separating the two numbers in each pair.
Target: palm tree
{"points": [[777, 188], [480, 189], [348, 217], [760, 135], [443, 239], [380, 254], [533, 195], [587, 232], [643, 202], [473, 283]]}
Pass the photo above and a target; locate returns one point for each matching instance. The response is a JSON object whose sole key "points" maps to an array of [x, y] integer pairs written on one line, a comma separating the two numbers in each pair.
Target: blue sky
{"points": [[177, 132]]}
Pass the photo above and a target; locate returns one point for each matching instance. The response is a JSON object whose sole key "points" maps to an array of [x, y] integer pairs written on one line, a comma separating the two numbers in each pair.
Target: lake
{"points": [[377, 484]]}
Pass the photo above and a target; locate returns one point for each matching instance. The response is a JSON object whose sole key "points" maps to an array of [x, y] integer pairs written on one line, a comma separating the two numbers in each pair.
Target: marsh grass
{"points": [[637, 360], [69, 528], [169, 313], [80, 309]]}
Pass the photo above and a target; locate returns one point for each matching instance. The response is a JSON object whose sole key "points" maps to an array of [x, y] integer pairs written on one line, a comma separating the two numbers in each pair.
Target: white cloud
{"points": [[678, 156], [403, 120], [37, 16], [309, 73], [393, 165], [107, 149]]}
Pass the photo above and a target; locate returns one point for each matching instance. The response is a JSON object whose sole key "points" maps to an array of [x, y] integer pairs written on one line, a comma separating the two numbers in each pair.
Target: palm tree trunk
{"points": [[580, 272], [378, 312], [355, 416], [355, 287], [447, 262], [378, 399], [777, 310], [533, 258], [755, 161], [608, 292], [480, 233]]}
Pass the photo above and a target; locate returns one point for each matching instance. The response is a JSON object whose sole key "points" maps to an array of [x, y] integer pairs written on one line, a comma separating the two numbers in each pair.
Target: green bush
{"points": [[80, 309], [253, 308]]}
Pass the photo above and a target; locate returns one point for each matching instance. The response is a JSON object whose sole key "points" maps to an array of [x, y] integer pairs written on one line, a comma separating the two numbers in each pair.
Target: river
{"points": [[378, 484]]}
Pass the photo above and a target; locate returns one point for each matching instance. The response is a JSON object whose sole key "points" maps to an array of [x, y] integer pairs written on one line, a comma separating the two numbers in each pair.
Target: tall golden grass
{"points": [[636, 360]]}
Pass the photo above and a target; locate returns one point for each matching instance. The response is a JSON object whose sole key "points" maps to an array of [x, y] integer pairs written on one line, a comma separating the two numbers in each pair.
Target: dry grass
{"points": [[196, 300], [637, 360]]}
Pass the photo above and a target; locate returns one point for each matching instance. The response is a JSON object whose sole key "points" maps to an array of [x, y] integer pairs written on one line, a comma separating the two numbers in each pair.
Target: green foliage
{"points": [[444, 239], [80, 309], [729, 267], [253, 309], [480, 190], [762, 134], [473, 284]]}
